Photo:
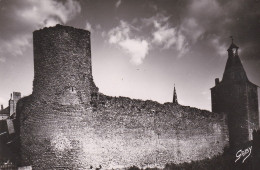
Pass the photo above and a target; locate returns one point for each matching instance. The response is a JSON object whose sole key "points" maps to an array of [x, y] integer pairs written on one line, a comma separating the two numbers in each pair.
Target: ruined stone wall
{"points": [[118, 133], [67, 124], [146, 133]]}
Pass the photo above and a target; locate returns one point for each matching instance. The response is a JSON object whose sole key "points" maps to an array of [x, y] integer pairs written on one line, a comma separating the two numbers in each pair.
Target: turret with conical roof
{"points": [[234, 70], [237, 97]]}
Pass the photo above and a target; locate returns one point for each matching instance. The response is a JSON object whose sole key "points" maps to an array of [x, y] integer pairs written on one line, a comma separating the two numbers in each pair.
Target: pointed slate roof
{"points": [[232, 46], [234, 70]]}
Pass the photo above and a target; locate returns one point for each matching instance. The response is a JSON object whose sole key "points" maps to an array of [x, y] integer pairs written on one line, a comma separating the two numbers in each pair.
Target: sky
{"points": [[140, 48]]}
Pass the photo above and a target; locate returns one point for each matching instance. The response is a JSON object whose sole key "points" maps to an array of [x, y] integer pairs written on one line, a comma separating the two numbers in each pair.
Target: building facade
{"points": [[237, 97], [10, 111]]}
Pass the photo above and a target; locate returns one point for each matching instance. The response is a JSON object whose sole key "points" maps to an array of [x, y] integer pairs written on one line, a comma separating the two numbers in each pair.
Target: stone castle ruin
{"points": [[67, 123]]}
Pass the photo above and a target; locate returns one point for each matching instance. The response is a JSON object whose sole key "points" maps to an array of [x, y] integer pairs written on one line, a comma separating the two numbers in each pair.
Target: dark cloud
{"points": [[245, 26], [238, 18]]}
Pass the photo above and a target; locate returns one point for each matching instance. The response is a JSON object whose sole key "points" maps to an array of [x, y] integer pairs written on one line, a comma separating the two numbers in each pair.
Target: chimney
{"points": [[11, 107], [16, 97], [2, 107], [216, 81]]}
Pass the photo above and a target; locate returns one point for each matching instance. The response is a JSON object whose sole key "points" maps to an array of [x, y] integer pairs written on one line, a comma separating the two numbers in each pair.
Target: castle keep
{"points": [[67, 123], [237, 97], [62, 66]]}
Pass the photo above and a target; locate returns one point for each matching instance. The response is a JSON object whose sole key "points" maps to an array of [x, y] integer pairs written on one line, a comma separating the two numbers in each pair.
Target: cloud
{"points": [[195, 23], [15, 46], [200, 18], [2, 60], [210, 8], [162, 35], [48, 12], [221, 49], [170, 37], [93, 28], [121, 36], [119, 33], [118, 3], [88, 27], [155, 20], [214, 21], [166, 35], [192, 29], [244, 26], [137, 48], [98, 27], [21, 18]]}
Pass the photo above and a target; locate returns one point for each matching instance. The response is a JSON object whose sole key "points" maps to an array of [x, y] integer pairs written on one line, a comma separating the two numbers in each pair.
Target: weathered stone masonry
{"points": [[66, 123], [237, 97], [62, 66]]}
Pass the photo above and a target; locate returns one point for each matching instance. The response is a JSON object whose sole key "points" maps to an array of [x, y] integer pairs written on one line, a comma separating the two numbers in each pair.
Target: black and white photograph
{"points": [[129, 84]]}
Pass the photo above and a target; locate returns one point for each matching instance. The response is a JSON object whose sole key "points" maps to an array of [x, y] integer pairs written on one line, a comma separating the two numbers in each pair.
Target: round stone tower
{"points": [[54, 119], [62, 65]]}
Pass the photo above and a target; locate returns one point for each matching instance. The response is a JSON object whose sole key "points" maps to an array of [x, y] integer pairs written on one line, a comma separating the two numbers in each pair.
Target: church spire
{"points": [[175, 99]]}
